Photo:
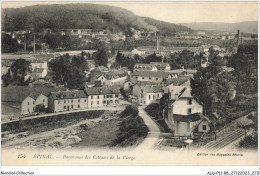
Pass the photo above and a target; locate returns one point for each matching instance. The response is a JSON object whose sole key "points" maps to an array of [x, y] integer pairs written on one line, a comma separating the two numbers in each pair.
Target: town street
{"points": [[152, 139]]}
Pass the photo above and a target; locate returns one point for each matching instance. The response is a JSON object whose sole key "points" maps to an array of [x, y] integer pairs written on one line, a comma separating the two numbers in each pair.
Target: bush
{"points": [[131, 128], [129, 111], [249, 142]]}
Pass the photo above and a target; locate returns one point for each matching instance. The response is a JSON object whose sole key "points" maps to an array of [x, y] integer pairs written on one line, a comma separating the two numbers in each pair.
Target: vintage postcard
{"points": [[129, 83]]}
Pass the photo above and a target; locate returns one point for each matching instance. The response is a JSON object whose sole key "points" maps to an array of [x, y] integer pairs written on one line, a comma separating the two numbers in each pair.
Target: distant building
{"points": [[161, 66], [149, 76], [138, 52], [144, 67]]}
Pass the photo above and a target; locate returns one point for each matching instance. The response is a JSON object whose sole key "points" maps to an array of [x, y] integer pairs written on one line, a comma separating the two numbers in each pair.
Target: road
{"points": [[153, 137], [117, 108]]}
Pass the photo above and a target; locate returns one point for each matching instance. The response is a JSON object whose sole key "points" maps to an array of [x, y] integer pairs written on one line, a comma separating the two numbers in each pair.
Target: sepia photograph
{"points": [[144, 83]]}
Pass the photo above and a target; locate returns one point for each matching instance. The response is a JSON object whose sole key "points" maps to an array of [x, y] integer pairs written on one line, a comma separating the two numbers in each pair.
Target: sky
{"points": [[175, 12]]}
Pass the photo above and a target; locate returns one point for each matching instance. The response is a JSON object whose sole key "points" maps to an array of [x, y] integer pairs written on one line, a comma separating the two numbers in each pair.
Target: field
{"points": [[80, 130]]}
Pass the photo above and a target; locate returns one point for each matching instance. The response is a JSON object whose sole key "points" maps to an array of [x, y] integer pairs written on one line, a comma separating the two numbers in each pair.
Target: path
{"points": [[117, 108], [153, 137]]}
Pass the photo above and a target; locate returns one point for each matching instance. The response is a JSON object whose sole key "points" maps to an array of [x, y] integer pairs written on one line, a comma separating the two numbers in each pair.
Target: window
{"points": [[71, 106], [78, 106], [28, 103], [136, 77], [189, 101], [149, 97], [28, 110], [71, 101], [116, 101], [98, 102], [33, 102], [143, 78], [107, 96], [85, 100], [116, 96], [91, 102], [33, 108], [43, 100], [98, 97], [204, 127], [58, 101], [91, 97], [64, 101], [64, 107], [189, 111], [78, 100], [156, 78], [104, 102], [150, 78]]}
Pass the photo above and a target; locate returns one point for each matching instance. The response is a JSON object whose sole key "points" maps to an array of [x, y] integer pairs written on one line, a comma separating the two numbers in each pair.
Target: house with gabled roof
{"points": [[150, 76], [25, 98], [144, 67], [185, 114], [150, 93], [161, 66]]}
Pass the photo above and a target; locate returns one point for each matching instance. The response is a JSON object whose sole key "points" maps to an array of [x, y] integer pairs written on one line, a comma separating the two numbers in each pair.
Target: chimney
{"points": [[238, 36], [34, 44], [241, 39], [157, 41]]}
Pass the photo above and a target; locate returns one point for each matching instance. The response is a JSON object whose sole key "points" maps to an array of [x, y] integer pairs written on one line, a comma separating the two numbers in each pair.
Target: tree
{"points": [[7, 79], [39, 108], [68, 73], [19, 70], [8, 44], [80, 62], [53, 40], [75, 78], [60, 67], [101, 57], [208, 87], [152, 58], [163, 105]]}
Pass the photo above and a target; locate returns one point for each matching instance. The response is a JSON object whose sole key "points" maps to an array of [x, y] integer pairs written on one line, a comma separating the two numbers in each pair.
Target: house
{"points": [[99, 78], [136, 91], [67, 100], [103, 96], [29, 103], [138, 52], [149, 94], [6, 66], [144, 67], [128, 85], [24, 98], [149, 76], [39, 73], [185, 113], [161, 66]]}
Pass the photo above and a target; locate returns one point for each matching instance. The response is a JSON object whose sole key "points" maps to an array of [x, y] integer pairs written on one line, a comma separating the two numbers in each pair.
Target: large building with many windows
{"points": [[67, 100], [103, 96]]}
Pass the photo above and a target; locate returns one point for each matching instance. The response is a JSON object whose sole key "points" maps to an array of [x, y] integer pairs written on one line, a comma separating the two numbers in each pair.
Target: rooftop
{"points": [[102, 90], [159, 74], [58, 95], [19, 93]]}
